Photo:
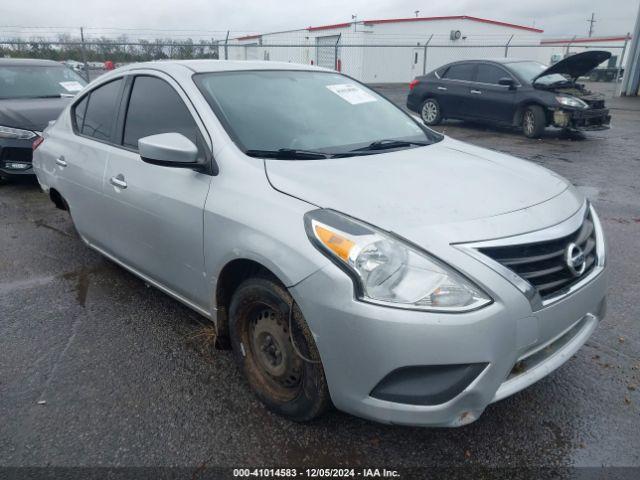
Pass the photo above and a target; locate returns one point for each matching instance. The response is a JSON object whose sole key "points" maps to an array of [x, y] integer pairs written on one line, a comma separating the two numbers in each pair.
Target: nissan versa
{"points": [[519, 93], [349, 254], [32, 93]]}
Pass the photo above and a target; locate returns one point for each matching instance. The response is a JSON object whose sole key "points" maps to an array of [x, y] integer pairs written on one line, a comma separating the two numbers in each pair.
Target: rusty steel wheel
{"points": [[276, 350], [274, 353]]}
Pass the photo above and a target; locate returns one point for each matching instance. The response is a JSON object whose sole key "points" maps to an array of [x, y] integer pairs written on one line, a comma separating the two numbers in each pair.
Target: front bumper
{"points": [[16, 157], [582, 120], [360, 344]]}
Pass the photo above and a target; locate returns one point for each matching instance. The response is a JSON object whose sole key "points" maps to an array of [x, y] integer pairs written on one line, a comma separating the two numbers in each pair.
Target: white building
{"points": [[556, 48], [391, 50]]}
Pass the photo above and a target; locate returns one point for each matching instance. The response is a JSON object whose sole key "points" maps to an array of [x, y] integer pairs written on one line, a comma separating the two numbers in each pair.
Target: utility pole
{"points": [[226, 46], [84, 55], [354, 19], [591, 21]]}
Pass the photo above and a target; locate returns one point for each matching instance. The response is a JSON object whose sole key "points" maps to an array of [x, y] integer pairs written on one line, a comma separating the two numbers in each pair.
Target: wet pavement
{"points": [[97, 369]]}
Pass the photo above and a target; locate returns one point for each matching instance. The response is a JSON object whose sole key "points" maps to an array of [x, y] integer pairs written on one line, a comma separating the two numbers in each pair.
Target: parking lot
{"points": [[98, 369]]}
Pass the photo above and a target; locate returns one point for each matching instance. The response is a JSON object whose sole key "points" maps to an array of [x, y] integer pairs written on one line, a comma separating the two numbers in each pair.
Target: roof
{"points": [[453, 17], [495, 60], [335, 26], [565, 41], [202, 66], [32, 62]]}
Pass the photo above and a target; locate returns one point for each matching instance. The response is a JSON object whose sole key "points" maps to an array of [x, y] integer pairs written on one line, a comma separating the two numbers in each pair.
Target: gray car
{"points": [[347, 253]]}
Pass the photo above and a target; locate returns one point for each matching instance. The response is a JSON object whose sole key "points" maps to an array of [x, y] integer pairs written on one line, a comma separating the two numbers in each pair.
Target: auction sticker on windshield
{"points": [[351, 93], [72, 86]]}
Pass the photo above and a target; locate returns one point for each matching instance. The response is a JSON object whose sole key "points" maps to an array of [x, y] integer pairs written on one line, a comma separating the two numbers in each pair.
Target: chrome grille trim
{"points": [[584, 220]]}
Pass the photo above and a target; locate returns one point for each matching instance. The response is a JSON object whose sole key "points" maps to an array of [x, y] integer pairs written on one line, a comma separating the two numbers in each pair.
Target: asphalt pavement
{"points": [[97, 369]]}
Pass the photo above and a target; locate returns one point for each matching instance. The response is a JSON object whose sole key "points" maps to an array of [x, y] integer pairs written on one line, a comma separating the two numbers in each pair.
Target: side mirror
{"points": [[507, 82], [169, 150]]}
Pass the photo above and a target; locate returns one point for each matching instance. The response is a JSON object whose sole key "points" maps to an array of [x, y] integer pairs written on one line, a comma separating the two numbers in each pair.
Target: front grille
{"points": [[596, 104], [543, 264], [13, 154]]}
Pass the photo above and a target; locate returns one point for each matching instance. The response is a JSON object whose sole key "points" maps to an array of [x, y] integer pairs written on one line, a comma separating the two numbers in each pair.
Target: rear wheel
{"points": [[534, 121], [430, 112], [276, 350]]}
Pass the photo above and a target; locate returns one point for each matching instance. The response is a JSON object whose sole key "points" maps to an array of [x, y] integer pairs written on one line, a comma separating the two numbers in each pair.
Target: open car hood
{"points": [[31, 113], [577, 65]]}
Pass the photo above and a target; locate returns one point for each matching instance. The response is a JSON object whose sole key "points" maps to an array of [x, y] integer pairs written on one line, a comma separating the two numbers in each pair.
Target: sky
{"points": [[183, 18]]}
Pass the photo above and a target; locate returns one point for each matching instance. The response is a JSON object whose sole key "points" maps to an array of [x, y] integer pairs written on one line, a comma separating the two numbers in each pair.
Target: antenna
{"points": [[591, 21]]}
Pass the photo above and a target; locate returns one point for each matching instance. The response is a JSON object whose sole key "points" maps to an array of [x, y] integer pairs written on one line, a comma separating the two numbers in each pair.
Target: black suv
{"points": [[32, 93], [520, 93]]}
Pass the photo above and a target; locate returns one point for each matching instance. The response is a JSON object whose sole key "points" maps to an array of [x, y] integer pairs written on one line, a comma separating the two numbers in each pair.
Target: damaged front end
{"points": [[580, 109], [576, 108]]}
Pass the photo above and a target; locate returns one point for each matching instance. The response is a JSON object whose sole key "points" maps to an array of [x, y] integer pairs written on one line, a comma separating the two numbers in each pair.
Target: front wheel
{"points": [[430, 112], [276, 351], [534, 121]]}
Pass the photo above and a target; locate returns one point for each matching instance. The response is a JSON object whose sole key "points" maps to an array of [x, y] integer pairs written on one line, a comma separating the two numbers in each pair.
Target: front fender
{"points": [[246, 218]]}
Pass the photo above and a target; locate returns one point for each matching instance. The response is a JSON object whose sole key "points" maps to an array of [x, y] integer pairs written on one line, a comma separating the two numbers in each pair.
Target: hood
{"points": [[446, 182], [577, 65], [31, 113]]}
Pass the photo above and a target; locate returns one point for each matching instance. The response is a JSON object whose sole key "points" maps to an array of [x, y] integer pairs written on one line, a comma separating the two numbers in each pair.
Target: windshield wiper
{"points": [[289, 154], [298, 154], [389, 143]]}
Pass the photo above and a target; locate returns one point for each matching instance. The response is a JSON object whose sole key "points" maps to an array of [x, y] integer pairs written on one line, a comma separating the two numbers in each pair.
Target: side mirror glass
{"points": [[169, 150], [507, 82]]}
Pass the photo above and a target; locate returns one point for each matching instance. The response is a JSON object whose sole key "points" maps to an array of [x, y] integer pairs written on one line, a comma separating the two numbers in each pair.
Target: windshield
{"points": [[33, 81], [267, 110], [530, 70]]}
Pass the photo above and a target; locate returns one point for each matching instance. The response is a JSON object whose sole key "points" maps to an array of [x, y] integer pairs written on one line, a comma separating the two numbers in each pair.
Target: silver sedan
{"points": [[347, 253]]}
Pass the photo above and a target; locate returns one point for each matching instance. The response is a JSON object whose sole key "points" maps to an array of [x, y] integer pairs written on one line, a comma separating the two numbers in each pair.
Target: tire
{"points": [[534, 121], [430, 112], [287, 377]]}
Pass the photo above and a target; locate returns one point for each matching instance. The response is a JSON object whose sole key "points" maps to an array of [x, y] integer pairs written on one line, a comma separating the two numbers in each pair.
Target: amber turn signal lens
{"points": [[334, 242]]}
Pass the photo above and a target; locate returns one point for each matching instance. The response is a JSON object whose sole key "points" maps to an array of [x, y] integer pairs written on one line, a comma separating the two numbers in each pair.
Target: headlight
{"points": [[16, 133], [387, 270], [571, 102]]}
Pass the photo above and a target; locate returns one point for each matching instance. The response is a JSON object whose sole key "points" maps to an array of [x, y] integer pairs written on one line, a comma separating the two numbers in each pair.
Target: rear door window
{"points": [[490, 74], [155, 107], [460, 71], [100, 112]]}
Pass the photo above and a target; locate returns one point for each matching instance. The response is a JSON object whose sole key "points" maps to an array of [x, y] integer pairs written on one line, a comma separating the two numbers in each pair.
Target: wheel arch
{"points": [[58, 200], [232, 274]]}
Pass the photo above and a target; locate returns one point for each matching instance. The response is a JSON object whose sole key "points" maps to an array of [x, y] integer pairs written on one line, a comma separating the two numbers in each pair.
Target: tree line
{"points": [[120, 49]]}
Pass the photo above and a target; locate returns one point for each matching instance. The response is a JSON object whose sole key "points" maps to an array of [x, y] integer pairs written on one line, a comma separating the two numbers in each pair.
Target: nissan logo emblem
{"points": [[575, 259]]}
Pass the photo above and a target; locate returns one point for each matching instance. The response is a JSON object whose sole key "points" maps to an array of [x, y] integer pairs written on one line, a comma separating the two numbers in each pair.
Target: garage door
{"points": [[326, 51], [251, 52]]}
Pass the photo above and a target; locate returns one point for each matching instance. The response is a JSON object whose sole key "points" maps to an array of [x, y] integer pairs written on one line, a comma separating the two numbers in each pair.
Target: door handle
{"points": [[442, 88], [61, 161], [118, 181], [477, 92]]}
